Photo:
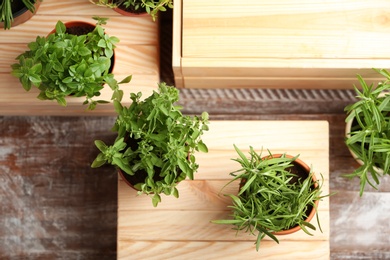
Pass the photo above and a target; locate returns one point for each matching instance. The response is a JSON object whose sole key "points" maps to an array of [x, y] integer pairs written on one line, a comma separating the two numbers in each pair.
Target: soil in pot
{"points": [[80, 29], [130, 11], [18, 8]]}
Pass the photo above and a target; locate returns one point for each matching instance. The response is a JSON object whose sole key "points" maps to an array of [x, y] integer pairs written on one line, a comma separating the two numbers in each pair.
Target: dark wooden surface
{"points": [[54, 206]]}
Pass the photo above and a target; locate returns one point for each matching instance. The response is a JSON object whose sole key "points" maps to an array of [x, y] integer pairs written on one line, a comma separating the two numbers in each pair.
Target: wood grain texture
{"points": [[285, 29], [279, 44], [53, 206], [188, 219], [177, 28], [251, 102], [136, 54], [232, 250]]}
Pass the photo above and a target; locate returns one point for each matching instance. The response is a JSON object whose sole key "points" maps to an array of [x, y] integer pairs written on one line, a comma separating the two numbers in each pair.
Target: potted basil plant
{"points": [[65, 65], [15, 12], [155, 145], [368, 131], [278, 195], [131, 7]]}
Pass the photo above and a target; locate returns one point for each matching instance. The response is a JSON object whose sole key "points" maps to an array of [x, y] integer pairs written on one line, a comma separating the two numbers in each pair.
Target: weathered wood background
{"points": [[54, 206]]}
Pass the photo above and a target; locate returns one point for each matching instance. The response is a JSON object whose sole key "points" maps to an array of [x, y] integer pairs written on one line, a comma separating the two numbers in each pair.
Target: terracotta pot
{"points": [[87, 27], [72, 24], [22, 15], [306, 168]]}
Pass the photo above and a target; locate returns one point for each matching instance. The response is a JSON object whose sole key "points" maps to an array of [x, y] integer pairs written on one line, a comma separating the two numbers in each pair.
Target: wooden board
{"points": [[181, 228], [279, 44], [136, 54]]}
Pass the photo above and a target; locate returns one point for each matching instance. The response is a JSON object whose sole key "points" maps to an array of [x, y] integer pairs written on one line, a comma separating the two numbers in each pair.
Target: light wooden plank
{"points": [[287, 29], [271, 68], [299, 135], [280, 44], [141, 61], [271, 83], [208, 171], [129, 30], [187, 219], [136, 54], [193, 195], [278, 73], [129, 59], [176, 44], [231, 250], [191, 225]]}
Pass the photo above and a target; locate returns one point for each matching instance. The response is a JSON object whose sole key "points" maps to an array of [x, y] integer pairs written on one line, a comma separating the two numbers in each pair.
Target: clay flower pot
{"points": [[77, 27], [20, 12]]}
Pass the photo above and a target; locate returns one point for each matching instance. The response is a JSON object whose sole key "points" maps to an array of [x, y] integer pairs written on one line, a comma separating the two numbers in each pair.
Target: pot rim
{"points": [[22, 15]]}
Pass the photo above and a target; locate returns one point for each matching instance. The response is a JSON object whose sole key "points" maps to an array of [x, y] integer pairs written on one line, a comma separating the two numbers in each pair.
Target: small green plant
{"points": [[6, 15], [107, 3], [64, 64], [369, 137], [271, 197], [152, 7], [157, 140]]}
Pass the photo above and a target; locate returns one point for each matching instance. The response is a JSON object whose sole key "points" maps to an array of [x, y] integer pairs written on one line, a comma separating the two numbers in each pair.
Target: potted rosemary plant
{"points": [[368, 131], [278, 195], [129, 7], [155, 144], [70, 63], [14, 12]]}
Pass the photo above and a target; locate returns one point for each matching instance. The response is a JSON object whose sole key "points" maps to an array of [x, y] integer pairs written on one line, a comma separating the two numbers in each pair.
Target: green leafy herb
{"points": [[268, 200], [152, 7], [63, 65], [369, 136], [165, 138]]}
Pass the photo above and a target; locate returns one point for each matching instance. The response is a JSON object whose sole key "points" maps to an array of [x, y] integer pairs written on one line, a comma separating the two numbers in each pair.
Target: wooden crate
{"points": [[137, 54], [181, 228], [311, 44]]}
